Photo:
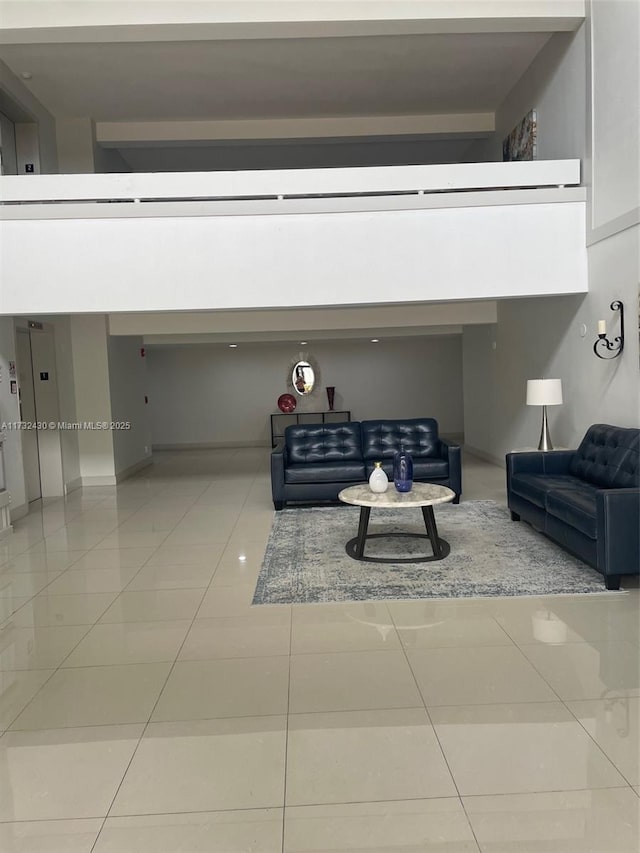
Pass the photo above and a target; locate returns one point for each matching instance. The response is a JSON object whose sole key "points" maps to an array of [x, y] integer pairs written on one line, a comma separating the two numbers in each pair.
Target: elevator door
{"points": [[28, 415]]}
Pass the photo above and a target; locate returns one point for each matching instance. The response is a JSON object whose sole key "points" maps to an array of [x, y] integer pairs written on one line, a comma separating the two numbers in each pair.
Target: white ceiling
{"points": [[308, 324], [273, 78]]}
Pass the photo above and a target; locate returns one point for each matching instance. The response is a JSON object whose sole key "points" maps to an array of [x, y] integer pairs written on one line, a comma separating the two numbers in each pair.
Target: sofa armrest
{"points": [[278, 462], [452, 453], [618, 513]]}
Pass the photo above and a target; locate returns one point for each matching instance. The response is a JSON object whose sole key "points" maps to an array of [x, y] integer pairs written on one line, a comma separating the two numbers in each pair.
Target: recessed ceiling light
{"points": [[233, 346], [302, 343], [375, 340], [26, 75]]}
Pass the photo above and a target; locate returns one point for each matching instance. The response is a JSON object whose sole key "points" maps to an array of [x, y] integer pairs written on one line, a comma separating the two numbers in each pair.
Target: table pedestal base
{"points": [[355, 546]]}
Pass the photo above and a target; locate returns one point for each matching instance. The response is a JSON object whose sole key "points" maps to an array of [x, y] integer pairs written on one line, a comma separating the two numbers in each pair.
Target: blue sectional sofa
{"points": [[316, 461], [587, 500]]}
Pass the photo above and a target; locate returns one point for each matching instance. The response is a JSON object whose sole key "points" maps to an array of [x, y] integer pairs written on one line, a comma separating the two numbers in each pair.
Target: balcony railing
{"points": [[293, 238], [288, 183]]}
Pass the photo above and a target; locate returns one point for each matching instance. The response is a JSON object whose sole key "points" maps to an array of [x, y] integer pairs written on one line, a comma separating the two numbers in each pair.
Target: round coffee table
{"points": [[423, 495]]}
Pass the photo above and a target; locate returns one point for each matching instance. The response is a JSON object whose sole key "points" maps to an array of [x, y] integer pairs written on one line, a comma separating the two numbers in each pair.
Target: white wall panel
{"points": [[93, 400], [181, 263], [10, 413], [615, 61], [43, 353], [128, 386], [67, 398]]}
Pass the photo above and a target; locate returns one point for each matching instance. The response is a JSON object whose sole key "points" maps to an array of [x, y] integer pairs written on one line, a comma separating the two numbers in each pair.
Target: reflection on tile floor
{"points": [[146, 705]]}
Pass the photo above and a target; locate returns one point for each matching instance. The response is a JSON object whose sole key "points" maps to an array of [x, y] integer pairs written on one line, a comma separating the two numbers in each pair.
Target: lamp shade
{"points": [[544, 392]]}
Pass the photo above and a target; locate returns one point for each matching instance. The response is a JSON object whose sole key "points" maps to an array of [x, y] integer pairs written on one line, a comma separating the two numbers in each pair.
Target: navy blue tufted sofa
{"points": [[587, 500], [316, 461]]}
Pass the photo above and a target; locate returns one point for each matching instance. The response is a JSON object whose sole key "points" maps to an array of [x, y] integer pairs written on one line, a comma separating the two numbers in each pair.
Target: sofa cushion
{"points": [[381, 439], [608, 457], [536, 487], [325, 472], [423, 469], [576, 507], [427, 469], [308, 443]]}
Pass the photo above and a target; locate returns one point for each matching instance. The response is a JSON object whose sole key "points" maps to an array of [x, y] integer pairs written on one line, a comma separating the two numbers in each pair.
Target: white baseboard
{"points": [[109, 480], [18, 512], [114, 479], [212, 445], [73, 485], [133, 469]]}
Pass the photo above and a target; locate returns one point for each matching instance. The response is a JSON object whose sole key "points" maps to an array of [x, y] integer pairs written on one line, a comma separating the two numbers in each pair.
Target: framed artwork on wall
{"points": [[521, 143]]}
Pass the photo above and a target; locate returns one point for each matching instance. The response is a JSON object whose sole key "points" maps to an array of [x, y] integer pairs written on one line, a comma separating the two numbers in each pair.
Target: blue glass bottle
{"points": [[403, 470]]}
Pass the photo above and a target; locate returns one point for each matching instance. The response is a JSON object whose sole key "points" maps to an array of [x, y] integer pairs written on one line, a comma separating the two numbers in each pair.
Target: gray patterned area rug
{"points": [[305, 559]]}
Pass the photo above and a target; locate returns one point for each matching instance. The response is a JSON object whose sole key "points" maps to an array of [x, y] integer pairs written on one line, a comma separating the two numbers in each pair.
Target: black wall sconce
{"points": [[603, 345]]}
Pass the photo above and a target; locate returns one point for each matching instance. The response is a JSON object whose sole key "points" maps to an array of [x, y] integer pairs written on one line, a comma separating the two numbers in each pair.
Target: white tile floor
{"points": [[145, 706]]}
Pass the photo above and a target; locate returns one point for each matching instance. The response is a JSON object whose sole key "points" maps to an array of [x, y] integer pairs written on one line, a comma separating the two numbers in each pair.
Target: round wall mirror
{"points": [[303, 378]]}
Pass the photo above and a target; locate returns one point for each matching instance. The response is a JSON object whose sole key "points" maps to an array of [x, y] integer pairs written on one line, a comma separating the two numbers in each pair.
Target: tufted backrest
{"points": [[323, 442], [381, 439], [609, 457]]}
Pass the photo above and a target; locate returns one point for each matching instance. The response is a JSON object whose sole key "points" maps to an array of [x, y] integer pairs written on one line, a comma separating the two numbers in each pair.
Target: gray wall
{"points": [[555, 86], [108, 160], [282, 154], [542, 337], [209, 394], [8, 145], [14, 95]]}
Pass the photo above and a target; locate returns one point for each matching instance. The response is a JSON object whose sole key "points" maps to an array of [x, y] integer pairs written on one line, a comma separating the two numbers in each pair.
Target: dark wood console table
{"points": [[280, 421]]}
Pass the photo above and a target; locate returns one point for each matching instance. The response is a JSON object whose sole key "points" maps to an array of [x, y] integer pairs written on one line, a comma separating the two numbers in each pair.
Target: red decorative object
{"points": [[286, 403], [331, 391]]}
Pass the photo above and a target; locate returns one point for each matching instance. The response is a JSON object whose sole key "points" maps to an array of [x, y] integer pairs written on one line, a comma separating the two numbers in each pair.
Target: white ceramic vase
{"points": [[378, 481]]}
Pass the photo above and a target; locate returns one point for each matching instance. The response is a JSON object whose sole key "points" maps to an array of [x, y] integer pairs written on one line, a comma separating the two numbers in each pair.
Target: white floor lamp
{"points": [[544, 392]]}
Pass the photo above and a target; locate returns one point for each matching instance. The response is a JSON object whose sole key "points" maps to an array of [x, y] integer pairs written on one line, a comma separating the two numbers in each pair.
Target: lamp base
{"points": [[545, 438]]}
